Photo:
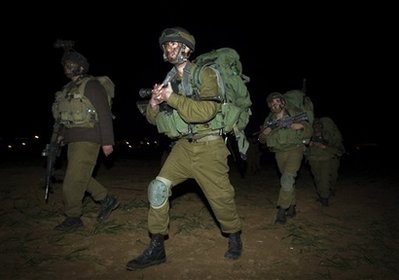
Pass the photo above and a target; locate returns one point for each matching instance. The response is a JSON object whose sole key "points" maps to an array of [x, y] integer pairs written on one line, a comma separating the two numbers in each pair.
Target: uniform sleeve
{"points": [[97, 95], [196, 111], [151, 114]]}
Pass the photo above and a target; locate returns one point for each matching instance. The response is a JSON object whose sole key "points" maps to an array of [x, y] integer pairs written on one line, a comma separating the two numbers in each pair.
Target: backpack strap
{"points": [[187, 89], [197, 79], [196, 76]]}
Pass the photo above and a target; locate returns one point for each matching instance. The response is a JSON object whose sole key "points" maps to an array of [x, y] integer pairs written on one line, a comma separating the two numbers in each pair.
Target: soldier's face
{"points": [[71, 69], [276, 105], [172, 50]]}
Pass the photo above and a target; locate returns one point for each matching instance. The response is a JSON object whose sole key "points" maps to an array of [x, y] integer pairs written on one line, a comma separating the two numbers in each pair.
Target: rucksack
{"points": [[232, 85], [299, 99], [109, 87], [332, 135]]}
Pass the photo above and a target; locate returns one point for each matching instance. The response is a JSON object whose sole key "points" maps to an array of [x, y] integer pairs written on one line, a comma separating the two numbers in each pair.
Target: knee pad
{"points": [[287, 182], [158, 192]]}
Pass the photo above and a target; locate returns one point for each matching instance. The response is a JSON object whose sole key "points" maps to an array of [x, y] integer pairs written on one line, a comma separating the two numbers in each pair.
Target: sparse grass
{"points": [[368, 248], [306, 238], [192, 221]]}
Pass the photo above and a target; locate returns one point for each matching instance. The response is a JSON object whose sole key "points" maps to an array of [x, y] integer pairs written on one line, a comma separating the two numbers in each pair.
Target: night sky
{"points": [[278, 48]]}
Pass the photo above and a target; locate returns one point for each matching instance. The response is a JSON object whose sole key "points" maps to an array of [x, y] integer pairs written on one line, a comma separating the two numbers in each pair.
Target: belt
{"points": [[205, 139]]}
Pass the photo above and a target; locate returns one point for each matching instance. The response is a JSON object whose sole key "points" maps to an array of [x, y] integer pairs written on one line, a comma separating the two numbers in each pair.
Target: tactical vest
{"points": [[171, 123], [72, 108]]}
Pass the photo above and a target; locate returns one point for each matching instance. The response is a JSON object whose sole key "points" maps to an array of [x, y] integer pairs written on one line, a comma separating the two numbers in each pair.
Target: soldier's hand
{"points": [[296, 126], [107, 149]]}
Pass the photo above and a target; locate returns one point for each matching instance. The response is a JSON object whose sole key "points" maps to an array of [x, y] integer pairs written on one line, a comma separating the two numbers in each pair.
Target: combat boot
{"points": [[154, 254], [235, 246], [280, 217], [108, 204], [291, 211]]}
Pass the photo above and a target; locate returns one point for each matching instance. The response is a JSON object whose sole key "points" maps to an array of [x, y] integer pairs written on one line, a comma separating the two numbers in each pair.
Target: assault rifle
{"points": [[147, 92], [286, 122], [52, 151]]}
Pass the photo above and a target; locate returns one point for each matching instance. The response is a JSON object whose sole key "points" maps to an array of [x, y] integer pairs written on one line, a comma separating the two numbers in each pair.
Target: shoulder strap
{"points": [[197, 78], [187, 89]]}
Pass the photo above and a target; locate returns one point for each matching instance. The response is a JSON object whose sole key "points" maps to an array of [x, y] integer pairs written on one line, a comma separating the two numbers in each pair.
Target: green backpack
{"points": [[232, 85], [299, 99]]}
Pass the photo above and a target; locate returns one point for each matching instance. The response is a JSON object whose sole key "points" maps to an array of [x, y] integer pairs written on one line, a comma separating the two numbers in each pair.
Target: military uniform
{"points": [[199, 151], [202, 156], [84, 140], [324, 154], [288, 146]]}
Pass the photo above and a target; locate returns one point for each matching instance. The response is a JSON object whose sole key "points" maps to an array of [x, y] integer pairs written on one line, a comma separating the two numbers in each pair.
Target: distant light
{"points": [[36, 136], [23, 144], [127, 142], [130, 146], [9, 146]]}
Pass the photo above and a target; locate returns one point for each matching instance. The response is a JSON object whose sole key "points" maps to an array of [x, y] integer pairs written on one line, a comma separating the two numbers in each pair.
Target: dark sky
{"points": [[278, 48]]}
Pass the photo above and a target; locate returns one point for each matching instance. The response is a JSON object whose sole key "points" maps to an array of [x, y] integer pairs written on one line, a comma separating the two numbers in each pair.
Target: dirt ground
{"points": [[355, 238]]}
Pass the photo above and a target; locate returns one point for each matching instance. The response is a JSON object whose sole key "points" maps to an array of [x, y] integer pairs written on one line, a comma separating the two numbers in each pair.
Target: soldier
{"points": [[288, 144], [83, 121], [200, 153], [324, 154]]}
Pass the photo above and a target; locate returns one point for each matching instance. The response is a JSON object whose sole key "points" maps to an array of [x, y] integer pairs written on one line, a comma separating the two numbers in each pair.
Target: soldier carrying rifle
{"points": [[285, 132]]}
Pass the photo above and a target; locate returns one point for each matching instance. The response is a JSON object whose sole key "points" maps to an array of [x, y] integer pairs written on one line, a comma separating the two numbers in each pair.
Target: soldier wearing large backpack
{"points": [[288, 144], [324, 155], [83, 121], [200, 153]]}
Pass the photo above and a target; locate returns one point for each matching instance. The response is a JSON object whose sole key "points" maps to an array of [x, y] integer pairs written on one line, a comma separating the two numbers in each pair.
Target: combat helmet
{"points": [[274, 95], [177, 34], [75, 57], [71, 55]]}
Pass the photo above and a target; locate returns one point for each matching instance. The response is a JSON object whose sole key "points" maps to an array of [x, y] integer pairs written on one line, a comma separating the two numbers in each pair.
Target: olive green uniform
{"points": [[288, 146], [324, 160], [202, 156], [83, 148]]}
